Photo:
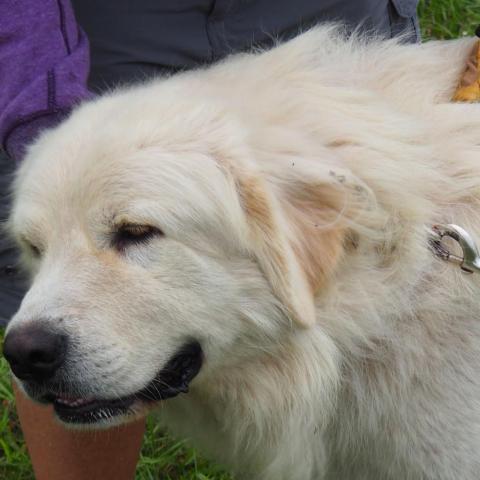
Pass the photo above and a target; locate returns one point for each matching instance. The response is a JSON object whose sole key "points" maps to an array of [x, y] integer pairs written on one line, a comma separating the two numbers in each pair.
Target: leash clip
{"points": [[470, 262]]}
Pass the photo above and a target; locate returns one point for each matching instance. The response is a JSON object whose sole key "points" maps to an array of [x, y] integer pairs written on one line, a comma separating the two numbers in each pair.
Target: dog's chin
{"points": [[173, 379]]}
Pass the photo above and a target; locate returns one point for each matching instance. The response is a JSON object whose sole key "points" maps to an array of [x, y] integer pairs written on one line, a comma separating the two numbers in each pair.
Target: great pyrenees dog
{"points": [[248, 248]]}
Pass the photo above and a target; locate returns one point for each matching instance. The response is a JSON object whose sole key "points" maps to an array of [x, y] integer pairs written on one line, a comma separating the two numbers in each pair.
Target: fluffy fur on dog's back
{"points": [[296, 188]]}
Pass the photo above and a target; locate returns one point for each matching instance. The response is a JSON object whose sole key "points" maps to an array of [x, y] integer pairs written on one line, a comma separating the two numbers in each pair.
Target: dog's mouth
{"points": [[170, 381]]}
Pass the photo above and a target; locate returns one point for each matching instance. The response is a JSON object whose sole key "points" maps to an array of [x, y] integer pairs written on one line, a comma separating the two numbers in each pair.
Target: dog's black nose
{"points": [[34, 352]]}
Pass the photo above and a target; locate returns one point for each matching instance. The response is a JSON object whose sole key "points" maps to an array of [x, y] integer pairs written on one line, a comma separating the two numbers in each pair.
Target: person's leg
{"points": [[57, 453]]}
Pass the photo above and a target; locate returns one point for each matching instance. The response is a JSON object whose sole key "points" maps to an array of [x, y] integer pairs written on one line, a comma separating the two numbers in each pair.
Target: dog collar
{"points": [[468, 89]]}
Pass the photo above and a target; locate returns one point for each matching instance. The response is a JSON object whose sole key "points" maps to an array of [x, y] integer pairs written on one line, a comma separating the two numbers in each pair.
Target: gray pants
{"points": [[134, 40], [172, 39]]}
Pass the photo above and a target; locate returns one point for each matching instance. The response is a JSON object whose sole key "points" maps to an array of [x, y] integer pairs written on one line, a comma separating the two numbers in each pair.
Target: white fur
{"points": [[371, 370]]}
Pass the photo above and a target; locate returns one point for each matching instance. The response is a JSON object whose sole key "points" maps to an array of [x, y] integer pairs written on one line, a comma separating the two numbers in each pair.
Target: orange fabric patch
{"points": [[469, 87]]}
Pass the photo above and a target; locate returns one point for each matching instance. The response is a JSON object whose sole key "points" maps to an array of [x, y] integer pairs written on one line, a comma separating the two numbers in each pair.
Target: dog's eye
{"points": [[127, 235], [35, 251]]}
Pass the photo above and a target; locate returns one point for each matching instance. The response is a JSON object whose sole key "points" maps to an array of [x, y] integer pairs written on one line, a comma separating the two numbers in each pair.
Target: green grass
{"points": [[14, 461], [166, 459], [163, 458], [447, 19]]}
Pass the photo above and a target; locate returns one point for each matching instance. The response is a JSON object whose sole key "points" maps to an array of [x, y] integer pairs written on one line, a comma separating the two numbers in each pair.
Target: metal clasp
{"points": [[470, 261]]}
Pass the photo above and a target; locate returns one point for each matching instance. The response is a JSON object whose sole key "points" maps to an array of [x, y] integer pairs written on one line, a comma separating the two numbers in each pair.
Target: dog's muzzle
{"points": [[36, 356]]}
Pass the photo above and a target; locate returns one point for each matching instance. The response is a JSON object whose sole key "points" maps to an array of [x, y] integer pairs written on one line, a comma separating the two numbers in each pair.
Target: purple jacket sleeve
{"points": [[44, 62]]}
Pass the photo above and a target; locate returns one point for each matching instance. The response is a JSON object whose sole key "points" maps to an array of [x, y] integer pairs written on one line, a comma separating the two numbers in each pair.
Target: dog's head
{"points": [[163, 251]]}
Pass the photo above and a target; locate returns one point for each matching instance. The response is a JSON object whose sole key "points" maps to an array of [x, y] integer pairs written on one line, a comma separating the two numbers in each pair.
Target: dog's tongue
{"points": [[74, 402]]}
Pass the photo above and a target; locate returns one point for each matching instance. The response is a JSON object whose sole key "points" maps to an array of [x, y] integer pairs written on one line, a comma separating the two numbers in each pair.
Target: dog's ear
{"points": [[273, 251], [297, 213], [318, 201]]}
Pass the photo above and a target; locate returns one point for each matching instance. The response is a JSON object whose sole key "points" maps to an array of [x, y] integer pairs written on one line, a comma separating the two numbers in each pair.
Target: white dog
{"points": [[257, 234]]}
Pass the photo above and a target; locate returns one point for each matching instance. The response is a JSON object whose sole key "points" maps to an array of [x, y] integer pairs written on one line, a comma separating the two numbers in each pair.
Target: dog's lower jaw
{"points": [[135, 412]]}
